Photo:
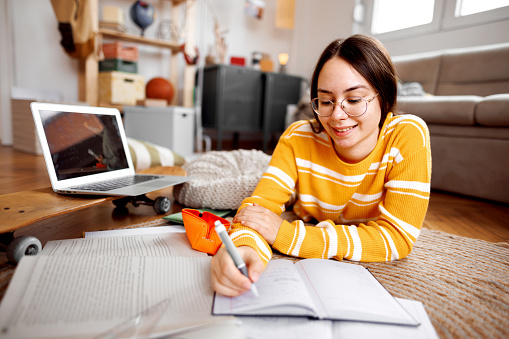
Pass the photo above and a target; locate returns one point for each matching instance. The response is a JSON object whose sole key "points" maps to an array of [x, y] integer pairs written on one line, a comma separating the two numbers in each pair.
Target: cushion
{"points": [[422, 67], [221, 179], [145, 155], [443, 110], [409, 89], [475, 70]]}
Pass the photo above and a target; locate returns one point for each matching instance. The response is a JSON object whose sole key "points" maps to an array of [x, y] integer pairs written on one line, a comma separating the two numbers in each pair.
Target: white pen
{"points": [[232, 251]]}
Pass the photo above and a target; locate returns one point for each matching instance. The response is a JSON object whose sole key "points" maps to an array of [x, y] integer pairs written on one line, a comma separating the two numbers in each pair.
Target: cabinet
{"points": [[279, 90], [231, 99], [171, 127], [88, 77], [239, 99]]}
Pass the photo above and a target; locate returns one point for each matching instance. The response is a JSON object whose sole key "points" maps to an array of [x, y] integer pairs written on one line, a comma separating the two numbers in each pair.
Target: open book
{"points": [[84, 288], [317, 288]]}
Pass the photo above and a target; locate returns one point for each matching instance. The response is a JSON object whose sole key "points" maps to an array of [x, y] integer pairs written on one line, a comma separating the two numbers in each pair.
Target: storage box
{"points": [[24, 135], [120, 88], [171, 127], [120, 65], [117, 50]]}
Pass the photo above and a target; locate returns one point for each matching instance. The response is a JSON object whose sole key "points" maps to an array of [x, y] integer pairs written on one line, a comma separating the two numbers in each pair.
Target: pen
{"points": [[232, 251]]}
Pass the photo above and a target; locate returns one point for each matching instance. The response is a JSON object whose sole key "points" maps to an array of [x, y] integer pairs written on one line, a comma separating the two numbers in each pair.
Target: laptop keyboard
{"points": [[116, 183]]}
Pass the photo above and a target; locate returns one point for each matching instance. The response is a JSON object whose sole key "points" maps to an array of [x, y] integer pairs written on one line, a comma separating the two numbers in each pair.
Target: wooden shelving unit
{"points": [[88, 86], [106, 33]]}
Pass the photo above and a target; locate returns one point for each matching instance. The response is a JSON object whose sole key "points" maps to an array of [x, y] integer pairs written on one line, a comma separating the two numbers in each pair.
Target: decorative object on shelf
{"points": [[283, 60], [255, 59], [190, 60], [237, 61], [266, 64], [254, 8], [169, 32], [143, 15], [159, 88], [220, 43], [113, 18]]}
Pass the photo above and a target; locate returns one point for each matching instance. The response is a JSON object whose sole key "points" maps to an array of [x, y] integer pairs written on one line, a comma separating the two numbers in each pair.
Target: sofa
{"points": [[465, 102]]}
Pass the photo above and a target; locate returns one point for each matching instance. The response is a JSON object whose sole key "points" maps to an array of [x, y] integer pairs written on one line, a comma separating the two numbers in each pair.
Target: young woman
{"points": [[361, 174]]}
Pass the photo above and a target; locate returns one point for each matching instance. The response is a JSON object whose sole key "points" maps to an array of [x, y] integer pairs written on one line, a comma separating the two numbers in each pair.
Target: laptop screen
{"points": [[82, 143]]}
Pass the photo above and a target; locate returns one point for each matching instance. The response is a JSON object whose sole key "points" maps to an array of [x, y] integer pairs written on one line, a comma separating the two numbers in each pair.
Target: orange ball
{"points": [[159, 88]]}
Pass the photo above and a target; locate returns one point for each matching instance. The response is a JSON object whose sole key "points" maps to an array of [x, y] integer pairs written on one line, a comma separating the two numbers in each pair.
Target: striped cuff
{"points": [[245, 236], [284, 239]]}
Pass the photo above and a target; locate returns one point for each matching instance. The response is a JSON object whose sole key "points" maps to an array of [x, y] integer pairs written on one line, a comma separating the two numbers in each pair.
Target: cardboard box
{"points": [[117, 50], [119, 88]]}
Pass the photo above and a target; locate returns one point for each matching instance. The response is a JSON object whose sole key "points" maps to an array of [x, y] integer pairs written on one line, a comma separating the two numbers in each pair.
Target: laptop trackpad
{"points": [[156, 183]]}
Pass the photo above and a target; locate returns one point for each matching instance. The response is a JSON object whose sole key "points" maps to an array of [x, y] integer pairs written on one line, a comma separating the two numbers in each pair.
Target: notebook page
{"points": [[356, 330], [349, 292], [167, 244], [281, 292], [74, 296]]}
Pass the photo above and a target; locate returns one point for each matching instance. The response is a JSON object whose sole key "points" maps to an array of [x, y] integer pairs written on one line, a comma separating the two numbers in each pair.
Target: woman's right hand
{"points": [[227, 279]]}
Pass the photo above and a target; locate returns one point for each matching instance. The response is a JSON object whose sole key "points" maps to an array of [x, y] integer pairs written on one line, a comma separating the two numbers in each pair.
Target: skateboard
{"points": [[21, 209]]}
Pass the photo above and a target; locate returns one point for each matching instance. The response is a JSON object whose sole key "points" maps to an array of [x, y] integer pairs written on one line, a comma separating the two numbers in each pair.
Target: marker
{"points": [[232, 251]]}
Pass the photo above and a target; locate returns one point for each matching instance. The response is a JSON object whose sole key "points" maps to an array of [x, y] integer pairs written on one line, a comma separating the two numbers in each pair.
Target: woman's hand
{"points": [[261, 219], [227, 279]]}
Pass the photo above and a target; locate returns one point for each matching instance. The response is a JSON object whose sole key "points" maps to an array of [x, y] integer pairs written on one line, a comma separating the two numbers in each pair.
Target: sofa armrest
{"points": [[493, 111]]}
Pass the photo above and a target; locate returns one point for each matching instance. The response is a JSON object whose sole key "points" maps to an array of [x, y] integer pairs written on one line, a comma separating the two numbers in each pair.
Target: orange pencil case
{"points": [[201, 231]]}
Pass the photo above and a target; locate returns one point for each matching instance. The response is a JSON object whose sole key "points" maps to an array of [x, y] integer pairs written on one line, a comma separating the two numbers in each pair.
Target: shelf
{"points": [[108, 33]]}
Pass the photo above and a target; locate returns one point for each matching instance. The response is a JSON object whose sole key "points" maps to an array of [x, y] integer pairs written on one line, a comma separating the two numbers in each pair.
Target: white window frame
{"points": [[443, 19], [451, 21]]}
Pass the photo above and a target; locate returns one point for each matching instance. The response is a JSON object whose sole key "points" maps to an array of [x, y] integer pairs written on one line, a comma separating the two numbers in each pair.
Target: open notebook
{"points": [[86, 152]]}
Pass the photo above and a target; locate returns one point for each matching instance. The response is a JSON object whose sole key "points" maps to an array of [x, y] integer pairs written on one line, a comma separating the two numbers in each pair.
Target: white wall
{"points": [[37, 61], [319, 22]]}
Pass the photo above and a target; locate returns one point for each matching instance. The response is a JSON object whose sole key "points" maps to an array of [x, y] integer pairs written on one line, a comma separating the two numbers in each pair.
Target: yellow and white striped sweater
{"points": [[369, 211]]}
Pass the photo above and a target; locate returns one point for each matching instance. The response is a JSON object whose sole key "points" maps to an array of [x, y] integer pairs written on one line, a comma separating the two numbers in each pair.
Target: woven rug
{"points": [[462, 282]]}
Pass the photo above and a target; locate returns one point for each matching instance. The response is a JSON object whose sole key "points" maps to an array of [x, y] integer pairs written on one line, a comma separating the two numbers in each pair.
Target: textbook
{"points": [[110, 296], [100, 286], [317, 288]]}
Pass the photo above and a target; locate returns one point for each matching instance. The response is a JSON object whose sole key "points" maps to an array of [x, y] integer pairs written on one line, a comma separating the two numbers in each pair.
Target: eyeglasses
{"points": [[353, 106]]}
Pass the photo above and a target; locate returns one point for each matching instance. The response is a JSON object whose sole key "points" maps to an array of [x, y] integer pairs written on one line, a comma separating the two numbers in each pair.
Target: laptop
{"points": [[86, 152]]}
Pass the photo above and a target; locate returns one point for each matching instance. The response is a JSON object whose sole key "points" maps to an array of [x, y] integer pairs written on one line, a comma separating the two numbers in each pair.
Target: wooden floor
{"points": [[450, 213]]}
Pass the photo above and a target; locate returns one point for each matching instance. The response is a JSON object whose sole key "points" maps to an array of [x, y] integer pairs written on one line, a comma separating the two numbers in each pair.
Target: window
{"points": [[468, 7], [397, 19], [393, 15]]}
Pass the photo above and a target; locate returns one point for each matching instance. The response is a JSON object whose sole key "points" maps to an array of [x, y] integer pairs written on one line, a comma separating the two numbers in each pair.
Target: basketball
{"points": [[159, 88]]}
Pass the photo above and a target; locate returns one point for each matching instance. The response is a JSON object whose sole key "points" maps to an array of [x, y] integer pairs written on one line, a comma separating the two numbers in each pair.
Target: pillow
{"points": [[410, 89], [221, 179], [145, 155]]}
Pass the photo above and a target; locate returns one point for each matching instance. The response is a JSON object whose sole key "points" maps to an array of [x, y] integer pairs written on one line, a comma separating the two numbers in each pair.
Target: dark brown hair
{"points": [[371, 59]]}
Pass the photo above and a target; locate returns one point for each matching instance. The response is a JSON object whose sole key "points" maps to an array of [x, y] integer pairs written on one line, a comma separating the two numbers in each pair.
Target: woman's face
{"points": [[353, 137]]}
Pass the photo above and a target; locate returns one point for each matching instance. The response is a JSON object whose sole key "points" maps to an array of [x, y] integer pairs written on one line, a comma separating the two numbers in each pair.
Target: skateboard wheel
{"points": [[22, 246], [122, 202], [162, 205]]}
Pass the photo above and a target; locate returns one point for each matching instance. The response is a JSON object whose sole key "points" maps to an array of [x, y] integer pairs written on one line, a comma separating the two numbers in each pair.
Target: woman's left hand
{"points": [[261, 219]]}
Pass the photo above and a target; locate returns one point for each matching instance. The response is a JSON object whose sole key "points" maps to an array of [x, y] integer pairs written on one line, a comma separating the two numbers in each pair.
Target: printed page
{"points": [[287, 327], [281, 292], [74, 296], [135, 231], [168, 244], [356, 330], [346, 291]]}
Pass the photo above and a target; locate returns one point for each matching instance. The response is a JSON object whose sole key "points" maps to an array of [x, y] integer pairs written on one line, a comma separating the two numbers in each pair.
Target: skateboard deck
{"points": [[24, 208]]}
